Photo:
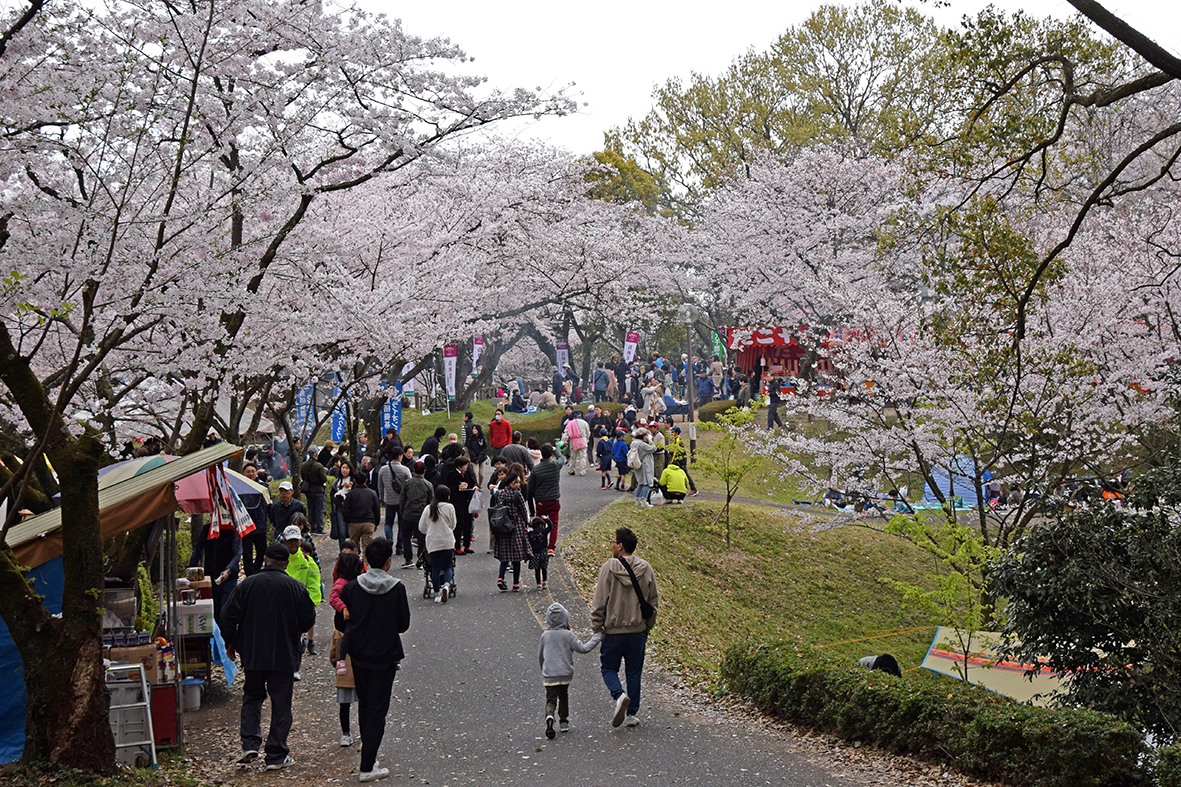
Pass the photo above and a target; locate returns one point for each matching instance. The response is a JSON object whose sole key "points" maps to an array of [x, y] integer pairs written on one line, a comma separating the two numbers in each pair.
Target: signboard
{"points": [[450, 354], [391, 411], [338, 415], [305, 413], [719, 345], [629, 346], [563, 356], [477, 349], [408, 386]]}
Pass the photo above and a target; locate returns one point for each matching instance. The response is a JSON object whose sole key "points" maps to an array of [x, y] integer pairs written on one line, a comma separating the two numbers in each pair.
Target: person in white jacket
{"points": [[437, 523]]}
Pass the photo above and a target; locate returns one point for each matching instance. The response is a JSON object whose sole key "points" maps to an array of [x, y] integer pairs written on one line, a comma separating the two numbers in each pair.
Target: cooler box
{"points": [[195, 618]]}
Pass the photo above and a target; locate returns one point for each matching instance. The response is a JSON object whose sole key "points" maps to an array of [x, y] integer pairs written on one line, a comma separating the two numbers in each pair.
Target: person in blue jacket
{"points": [[619, 454]]}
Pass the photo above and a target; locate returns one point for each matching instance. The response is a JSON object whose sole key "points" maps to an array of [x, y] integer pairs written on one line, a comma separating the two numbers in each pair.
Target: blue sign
{"points": [[305, 413], [338, 416], [391, 411]]}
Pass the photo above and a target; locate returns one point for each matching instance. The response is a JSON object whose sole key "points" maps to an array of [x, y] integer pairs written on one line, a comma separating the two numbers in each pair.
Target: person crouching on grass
{"points": [[556, 657]]}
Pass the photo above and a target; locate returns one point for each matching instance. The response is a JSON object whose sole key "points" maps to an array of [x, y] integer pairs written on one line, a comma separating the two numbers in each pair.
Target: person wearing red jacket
{"points": [[500, 433]]}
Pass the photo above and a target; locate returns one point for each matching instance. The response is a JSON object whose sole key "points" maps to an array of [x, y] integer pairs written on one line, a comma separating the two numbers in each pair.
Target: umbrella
{"points": [[192, 492]]}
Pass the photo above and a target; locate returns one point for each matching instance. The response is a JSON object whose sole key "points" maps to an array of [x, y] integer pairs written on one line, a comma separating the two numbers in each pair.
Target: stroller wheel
{"points": [[426, 591], [454, 591]]}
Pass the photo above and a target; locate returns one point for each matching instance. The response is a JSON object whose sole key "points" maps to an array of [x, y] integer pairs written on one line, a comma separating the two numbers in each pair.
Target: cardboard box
{"points": [[145, 654], [195, 618], [204, 588]]}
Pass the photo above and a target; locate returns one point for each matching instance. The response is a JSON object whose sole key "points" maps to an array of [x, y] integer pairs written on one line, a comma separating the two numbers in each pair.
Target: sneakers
{"points": [[551, 551], [469, 551], [544, 584], [342, 669], [438, 598], [444, 594], [296, 676], [539, 586], [632, 721], [500, 583], [408, 565], [374, 775], [645, 504], [620, 710], [564, 726], [549, 727], [311, 648], [346, 740], [459, 550], [276, 766], [692, 492], [247, 757], [516, 587]]}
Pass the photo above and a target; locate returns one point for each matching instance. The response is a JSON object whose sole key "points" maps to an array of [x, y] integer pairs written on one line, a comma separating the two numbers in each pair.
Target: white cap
{"points": [[291, 533], [286, 485]]}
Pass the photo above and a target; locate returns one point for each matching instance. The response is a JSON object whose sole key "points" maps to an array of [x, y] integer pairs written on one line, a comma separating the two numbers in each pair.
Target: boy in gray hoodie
{"points": [[556, 657]]}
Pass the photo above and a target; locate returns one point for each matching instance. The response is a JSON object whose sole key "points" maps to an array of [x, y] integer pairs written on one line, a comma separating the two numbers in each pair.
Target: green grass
{"points": [[774, 584]]}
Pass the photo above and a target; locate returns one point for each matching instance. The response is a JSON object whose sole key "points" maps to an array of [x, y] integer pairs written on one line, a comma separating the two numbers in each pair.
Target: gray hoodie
{"points": [[558, 643]]}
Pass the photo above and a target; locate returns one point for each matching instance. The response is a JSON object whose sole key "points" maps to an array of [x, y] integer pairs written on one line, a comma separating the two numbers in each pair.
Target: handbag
{"points": [[647, 611]]}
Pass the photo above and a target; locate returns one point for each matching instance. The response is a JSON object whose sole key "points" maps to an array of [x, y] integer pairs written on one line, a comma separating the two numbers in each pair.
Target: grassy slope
{"points": [[774, 584]]}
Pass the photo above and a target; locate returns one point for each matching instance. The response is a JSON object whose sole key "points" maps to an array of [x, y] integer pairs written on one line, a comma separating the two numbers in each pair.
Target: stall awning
{"points": [[125, 506]]}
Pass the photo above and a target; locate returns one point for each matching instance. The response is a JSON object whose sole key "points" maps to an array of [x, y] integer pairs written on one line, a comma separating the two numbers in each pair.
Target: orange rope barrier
{"points": [[878, 636]]}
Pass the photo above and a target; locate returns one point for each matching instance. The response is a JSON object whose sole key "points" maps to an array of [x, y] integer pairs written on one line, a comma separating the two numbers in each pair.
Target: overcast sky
{"points": [[615, 52]]}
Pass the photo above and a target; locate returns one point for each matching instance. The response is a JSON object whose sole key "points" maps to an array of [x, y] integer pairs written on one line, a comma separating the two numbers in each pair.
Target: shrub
{"points": [[1166, 769], [966, 727], [710, 412]]}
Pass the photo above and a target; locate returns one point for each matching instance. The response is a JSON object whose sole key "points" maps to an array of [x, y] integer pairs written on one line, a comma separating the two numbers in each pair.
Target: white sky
{"points": [[615, 52]]}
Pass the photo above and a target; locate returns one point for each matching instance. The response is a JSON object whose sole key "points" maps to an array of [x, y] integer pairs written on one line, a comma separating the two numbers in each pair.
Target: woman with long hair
{"points": [[340, 487], [477, 451], [514, 547], [437, 523]]}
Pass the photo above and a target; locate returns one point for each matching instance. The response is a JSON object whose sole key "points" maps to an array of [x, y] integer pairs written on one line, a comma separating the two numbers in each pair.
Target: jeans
{"points": [[406, 533], [642, 491], [441, 568], [260, 684], [373, 703], [617, 648], [316, 511], [391, 516]]}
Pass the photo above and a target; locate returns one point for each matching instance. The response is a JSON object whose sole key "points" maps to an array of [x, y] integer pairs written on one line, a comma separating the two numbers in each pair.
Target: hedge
{"points": [[1167, 766], [967, 728], [711, 411]]}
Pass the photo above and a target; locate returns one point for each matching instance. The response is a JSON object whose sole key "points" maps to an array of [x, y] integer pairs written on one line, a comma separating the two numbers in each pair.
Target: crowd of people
{"points": [[418, 509]]}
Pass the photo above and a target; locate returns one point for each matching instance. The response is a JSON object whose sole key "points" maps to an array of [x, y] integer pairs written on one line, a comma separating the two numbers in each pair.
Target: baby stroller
{"points": [[428, 590]]}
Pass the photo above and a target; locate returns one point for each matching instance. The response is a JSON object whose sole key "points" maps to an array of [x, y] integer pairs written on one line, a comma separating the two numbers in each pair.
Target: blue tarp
{"points": [[47, 580], [954, 479]]}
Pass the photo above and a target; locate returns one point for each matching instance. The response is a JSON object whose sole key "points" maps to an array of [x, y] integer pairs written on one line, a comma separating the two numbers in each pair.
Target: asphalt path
{"points": [[469, 705]]}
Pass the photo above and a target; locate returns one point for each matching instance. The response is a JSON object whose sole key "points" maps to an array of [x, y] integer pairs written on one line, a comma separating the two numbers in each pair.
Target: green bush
{"points": [[710, 412], [1166, 770], [970, 729], [544, 426]]}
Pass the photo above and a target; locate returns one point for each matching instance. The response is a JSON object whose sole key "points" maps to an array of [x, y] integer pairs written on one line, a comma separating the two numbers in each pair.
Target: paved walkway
{"points": [[468, 708]]}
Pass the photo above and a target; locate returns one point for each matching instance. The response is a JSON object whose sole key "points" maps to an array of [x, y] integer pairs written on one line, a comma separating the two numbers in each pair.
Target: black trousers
{"points": [[373, 704], [260, 684], [254, 544], [558, 698]]}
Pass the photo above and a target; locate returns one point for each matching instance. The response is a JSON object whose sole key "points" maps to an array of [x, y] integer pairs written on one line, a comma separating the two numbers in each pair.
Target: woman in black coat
{"points": [[459, 478], [477, 451]]}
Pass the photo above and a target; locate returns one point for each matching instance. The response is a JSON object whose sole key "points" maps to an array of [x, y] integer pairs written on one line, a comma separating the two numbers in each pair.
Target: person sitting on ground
{"points": [[883, 663]]}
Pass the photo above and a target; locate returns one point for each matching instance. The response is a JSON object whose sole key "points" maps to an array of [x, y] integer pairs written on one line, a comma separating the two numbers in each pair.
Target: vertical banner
{"points": [[391, 411], [719, 346], [477, 350], [563, 356], [338, 416], [629, 346], [450, 354], [408, 386], [305, 414]]}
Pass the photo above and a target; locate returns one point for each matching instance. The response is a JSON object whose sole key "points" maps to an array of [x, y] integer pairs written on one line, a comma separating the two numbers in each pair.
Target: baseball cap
{"points": [[278, 552], [285, 485], [677, 429], [291, 533]]}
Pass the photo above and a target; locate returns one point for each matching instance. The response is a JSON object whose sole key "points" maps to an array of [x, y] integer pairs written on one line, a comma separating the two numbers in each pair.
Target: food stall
{"points": [[149, 497], [765, 352]]}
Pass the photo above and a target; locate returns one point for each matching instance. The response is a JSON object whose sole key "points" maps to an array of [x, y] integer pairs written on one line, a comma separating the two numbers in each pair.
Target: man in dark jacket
{"points": [[378, 614], [545, 488], [254, 544], [315, 475], [361, 512], [417, 495], [430, 446], [265, 618], [284, 507]]}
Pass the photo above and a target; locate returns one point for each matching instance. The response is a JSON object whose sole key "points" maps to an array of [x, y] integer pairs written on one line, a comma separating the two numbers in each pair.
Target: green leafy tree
{"points": [[728, 459], [1097, 594]]}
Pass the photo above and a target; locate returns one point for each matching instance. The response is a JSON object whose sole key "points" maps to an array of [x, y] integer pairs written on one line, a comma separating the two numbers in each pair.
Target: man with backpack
{"points": [[391, 480], [416, 496], [623, 609]]}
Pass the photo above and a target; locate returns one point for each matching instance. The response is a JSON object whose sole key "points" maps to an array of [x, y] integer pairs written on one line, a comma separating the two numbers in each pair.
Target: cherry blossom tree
{"points": [[156, 159]]}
